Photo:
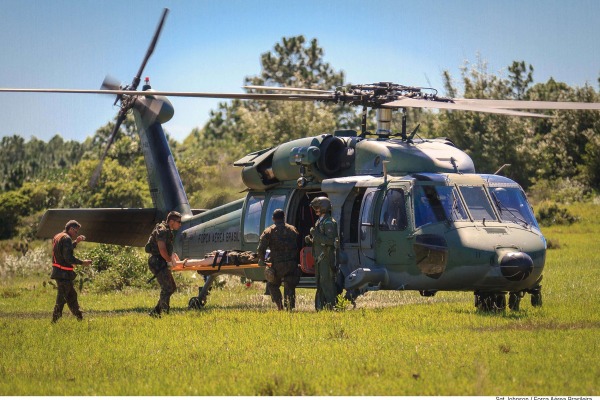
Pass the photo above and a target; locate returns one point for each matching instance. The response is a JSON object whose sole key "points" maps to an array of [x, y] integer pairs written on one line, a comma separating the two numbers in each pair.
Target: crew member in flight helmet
{"points": [[323, 237]]}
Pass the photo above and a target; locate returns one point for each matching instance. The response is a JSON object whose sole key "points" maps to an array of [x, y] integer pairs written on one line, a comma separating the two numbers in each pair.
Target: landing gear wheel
{"points": [[536, 296], [536, 299], [352, 296], [500, 302], [514, 300], [196, 303]]}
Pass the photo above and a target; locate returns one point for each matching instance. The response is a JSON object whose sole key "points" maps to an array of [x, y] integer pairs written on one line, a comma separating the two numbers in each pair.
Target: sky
{"points": [[212, 45]]}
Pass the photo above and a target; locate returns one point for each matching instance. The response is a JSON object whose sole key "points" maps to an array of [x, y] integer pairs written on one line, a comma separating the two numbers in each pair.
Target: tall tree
{"points": [[239, 127], [490, 140]]}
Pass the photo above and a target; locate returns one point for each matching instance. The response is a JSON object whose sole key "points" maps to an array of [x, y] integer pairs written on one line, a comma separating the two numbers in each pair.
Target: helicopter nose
{"points": [[516, 265]]}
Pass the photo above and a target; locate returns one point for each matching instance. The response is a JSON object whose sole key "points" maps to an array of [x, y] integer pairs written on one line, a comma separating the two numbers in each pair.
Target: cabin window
{"points": [[437, 204], [254, 206], [512, 205], [351, 216], [393, 211], [477, 203], [366, 222], [275, 201]]}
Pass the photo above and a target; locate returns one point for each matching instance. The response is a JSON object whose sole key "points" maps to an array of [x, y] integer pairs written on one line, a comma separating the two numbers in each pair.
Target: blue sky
{"points": [[211, 45]]}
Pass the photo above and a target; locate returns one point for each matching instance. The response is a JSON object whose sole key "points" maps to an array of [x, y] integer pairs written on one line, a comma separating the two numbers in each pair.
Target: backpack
{"points": [[148, 247]]}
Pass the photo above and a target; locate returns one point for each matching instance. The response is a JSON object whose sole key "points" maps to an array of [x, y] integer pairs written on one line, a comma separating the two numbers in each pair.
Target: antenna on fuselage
{"points": [[501, 168]]}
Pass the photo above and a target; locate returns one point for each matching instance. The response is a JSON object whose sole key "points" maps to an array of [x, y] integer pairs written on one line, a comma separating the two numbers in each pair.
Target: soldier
{"points": [[63, 260], [323, 242], [160, 246], [282, 239]]}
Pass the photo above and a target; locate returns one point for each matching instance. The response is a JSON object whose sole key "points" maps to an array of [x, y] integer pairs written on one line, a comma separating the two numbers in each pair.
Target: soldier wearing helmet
{"points": [[281, 238], [323, 238]]}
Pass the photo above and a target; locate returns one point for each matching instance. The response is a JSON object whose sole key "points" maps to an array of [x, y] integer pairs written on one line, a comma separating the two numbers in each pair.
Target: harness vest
{"points": [[55, 241]]}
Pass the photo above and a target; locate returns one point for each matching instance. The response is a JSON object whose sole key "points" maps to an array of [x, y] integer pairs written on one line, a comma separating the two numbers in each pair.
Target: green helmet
{"points": [[270, 275], [322, 204]]}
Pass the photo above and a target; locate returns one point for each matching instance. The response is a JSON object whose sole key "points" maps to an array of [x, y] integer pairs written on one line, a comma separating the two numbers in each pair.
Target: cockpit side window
{"points": [[512, 205], [438, 204], [393, 211], [428, 208], [477, 203], [254, 206]]}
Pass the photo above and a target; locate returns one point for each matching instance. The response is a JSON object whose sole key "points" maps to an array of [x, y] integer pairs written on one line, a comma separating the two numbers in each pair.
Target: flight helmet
{"points": [[322, 204]]}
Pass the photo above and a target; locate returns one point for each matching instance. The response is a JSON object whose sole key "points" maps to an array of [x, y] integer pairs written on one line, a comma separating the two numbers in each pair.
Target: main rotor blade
{"points": [[241, 96], [530, 105], [138, 76], [111, 138], [480, 105], [286, 89], [419, 103]]}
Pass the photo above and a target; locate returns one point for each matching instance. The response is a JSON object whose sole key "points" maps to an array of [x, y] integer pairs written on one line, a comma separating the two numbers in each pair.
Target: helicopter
{"points": [[413, 214]]}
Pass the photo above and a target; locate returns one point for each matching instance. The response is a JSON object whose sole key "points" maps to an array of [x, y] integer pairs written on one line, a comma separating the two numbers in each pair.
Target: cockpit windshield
{"points": [[478, 203], [437, 204], [513, 206]]}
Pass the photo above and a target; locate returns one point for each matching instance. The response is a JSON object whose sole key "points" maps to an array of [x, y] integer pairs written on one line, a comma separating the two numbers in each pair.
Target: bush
{"points": [[552, 244], [12, 206], [114, 268], [550, 213], [118, 267], [564, 191]]}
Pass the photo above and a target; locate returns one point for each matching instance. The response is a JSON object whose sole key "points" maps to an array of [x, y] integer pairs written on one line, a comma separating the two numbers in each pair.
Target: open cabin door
{"points": [[257, 215]]}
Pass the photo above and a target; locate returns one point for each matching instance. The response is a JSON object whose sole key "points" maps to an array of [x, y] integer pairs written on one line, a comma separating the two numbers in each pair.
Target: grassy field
{"points": [[393, 343]]}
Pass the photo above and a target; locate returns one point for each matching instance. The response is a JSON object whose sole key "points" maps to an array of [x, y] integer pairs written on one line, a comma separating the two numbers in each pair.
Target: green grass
{"points": [[393, 343]]}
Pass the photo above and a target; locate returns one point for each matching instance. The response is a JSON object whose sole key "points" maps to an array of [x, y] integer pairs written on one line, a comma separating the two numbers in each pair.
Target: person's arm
{"points": [[67, 253], [263, 244], [162, 247]]}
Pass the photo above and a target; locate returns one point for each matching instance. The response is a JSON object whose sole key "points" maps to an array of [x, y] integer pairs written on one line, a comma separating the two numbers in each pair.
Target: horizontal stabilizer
{"points": [[121, 226]]}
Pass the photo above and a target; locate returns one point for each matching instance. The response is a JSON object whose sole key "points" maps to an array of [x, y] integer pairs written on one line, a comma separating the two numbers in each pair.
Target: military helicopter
{"points": [[413, 214]]}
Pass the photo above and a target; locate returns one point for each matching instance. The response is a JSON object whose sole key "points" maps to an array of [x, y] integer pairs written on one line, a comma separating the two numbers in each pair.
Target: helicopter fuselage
{"points": [[412, 216]]}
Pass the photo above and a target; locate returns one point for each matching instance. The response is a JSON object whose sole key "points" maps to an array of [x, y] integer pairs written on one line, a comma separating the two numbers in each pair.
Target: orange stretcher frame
{"points": [[180, 268]]}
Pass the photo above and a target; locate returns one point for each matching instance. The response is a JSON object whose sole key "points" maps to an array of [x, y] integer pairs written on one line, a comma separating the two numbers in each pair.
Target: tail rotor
{"points": [[126, 101]]}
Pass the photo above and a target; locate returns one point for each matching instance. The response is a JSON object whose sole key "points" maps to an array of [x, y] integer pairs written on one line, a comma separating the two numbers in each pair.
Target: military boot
{"points": [[279, 304], [290, 302], [56, 314], [155, 313]]}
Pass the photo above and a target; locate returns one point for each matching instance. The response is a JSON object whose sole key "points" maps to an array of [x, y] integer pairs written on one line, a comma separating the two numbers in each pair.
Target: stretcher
{"points": [[216, 261], [190, 267]]}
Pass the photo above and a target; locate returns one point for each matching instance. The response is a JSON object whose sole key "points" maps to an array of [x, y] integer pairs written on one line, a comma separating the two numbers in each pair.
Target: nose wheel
{"points": [[536, 296]]}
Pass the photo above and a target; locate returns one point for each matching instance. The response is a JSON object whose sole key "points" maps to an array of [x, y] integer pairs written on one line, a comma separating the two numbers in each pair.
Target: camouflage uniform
{"points": [[325, 234], [281, 238], [158, 265], [62, 271]]}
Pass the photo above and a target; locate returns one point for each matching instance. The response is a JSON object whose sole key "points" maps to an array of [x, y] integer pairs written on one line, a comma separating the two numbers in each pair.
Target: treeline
{"points": [[556, 158], [22, 160]]}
